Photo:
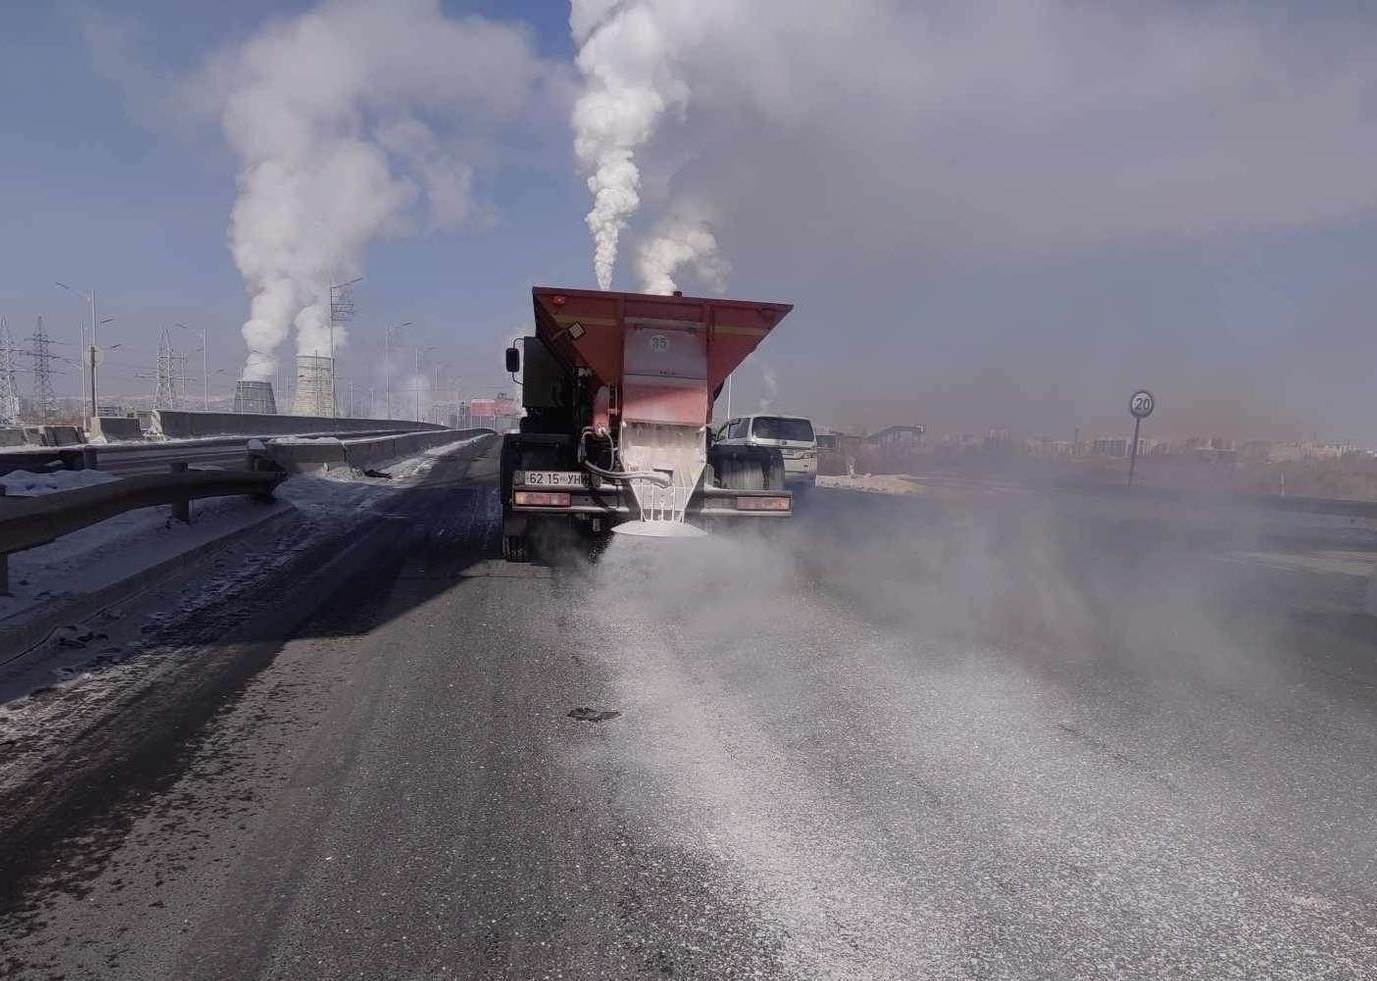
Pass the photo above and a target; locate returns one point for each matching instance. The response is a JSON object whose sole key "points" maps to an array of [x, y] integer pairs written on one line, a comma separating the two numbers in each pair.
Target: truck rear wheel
{"points": [[516, 548]]}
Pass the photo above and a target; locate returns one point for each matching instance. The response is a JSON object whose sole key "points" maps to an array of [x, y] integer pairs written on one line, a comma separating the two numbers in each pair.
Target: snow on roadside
{"points": [[873, 483], [23, 483], [410, 469], [125, 545], [421, 464], [116, 549], [296, 441]]}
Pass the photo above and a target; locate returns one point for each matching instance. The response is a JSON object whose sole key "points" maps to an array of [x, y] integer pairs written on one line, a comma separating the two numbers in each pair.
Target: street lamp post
{"points": [[435, 393], [205, 376], [387, 363], [95, 408], [90, 298], [419, 352]]}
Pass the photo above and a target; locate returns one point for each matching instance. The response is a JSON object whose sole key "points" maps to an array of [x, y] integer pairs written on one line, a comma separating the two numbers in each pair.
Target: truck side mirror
{"points": [[513, 360]]}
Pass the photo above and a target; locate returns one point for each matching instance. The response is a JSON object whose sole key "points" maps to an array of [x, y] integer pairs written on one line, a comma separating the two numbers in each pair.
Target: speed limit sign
{"points": [[1142, 404]]}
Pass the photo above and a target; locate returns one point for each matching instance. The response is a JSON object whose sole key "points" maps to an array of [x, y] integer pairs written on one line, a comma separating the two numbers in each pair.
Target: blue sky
{"points": [[92, 196], [958, 264]]}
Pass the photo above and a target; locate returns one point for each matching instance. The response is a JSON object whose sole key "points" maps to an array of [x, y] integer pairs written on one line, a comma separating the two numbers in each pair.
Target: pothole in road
{"points": [[592, 715]]}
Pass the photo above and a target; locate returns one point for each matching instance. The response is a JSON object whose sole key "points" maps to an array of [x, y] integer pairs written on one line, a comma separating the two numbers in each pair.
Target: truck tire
{"points": [[516, 548]]}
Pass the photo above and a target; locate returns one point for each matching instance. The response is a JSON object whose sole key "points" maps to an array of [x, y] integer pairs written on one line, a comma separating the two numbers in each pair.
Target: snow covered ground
{"points": [[129, 544], [22, 483], [117, 549], [421, 464]]}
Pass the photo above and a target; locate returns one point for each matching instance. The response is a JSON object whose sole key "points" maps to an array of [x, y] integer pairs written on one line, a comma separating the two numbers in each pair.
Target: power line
{"points": [[9, 380]]}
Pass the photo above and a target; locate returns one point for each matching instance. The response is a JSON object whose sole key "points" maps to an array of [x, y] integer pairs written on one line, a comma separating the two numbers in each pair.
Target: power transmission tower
{"points": [[9, 378], [165, 395], [44, 401], [179, 379], [341, 313]]}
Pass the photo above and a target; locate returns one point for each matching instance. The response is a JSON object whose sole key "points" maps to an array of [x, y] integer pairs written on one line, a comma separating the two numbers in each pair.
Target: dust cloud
{"points": [[1048, 737]]}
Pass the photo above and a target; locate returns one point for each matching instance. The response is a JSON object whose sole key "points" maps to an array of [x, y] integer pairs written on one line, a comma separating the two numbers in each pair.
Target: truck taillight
{"points": [[762, 504], [540, 499]]}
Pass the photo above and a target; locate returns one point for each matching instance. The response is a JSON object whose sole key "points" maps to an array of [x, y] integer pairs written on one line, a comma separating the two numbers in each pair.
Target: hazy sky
{"points": [[987, 211]]}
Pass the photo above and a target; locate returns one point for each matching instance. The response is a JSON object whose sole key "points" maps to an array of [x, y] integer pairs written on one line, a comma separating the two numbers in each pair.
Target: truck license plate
{"points": [[551, 478]]}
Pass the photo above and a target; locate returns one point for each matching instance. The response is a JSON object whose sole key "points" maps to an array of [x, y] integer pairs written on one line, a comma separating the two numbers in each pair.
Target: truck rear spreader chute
{"points": [[618, 390]]}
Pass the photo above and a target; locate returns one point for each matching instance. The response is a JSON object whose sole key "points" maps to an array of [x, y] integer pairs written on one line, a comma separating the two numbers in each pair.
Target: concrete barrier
{"points": [[61, 436], [189, 425], [300, 455], [310, 455], [110, 429]]}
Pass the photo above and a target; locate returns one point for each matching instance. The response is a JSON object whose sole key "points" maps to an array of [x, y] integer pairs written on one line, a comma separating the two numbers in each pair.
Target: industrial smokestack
{"points": [[315, 387], [254, 398]]}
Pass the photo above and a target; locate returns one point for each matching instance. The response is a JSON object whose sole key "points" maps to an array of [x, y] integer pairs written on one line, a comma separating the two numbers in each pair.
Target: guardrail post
{"points": [[181, 510], [4, 560]]}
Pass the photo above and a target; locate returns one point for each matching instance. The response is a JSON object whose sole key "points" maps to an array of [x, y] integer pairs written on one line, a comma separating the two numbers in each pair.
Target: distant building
{"points": [[499, 414], [1045, 446], [896, 437], [1115, 447]]}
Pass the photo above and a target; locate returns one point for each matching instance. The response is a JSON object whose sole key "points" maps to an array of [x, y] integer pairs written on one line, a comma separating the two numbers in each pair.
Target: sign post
{"points": [[1140, 406]]}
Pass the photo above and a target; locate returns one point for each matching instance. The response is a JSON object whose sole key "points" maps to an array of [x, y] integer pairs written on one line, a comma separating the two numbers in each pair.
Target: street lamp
{"points": [[90, 298], [205, 377], [419, 352], [435, 391], [387, 362]]}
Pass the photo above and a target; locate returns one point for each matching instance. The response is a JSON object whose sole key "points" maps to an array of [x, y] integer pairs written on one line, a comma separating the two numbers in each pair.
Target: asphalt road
{"points": [[896, 740]]}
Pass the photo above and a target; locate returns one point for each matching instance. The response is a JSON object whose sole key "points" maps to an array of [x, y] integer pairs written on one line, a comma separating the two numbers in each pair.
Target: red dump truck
{"points": [[618, 390]]}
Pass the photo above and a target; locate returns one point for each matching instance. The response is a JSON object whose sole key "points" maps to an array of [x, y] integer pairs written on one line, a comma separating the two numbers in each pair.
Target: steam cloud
{"points": [[681, 242], [325, 112], [625, 58]]}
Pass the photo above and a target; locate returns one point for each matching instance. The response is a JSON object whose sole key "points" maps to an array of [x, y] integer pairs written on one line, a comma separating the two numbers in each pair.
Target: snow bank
{"points": [[303, 440], [421, 464], [22, 483], [116, 549]]}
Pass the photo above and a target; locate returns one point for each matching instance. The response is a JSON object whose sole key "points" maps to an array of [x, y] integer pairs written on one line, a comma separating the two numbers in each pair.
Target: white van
{"points": [[791, 435]]}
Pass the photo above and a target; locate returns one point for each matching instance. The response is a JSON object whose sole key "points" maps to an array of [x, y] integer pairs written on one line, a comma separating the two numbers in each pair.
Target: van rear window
{"points": [[775, 427]]}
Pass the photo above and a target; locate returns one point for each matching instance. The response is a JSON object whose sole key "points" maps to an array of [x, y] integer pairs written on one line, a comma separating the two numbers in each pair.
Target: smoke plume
{"points": [[769, 388], [624, 57], [681, 243], [333, 116]]}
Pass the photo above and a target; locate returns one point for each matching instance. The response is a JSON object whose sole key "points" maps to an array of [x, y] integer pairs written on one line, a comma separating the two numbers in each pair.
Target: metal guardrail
{"points": [[27, 522], [149, 457]]}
